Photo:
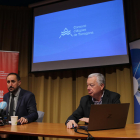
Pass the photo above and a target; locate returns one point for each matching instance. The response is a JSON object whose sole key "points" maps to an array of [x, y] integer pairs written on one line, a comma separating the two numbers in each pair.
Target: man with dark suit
{"points": [[20, 102], [24, 101], [97, 95]]}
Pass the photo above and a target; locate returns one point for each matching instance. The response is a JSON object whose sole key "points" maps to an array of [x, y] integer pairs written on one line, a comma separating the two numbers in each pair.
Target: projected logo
{"points": [[65, 32]]}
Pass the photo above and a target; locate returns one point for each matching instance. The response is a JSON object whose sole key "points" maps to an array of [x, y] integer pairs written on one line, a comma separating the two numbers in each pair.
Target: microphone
{"points": [[3, 106]]}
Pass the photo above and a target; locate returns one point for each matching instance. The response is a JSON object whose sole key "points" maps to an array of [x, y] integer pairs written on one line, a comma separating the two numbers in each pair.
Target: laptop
{"points": [[107, 116]]}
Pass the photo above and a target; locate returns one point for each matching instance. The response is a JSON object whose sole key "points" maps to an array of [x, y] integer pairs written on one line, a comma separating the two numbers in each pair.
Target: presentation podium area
{"points": [[59, 130]]}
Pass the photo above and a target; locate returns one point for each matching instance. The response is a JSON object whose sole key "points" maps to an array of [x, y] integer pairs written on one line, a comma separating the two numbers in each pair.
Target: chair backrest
{"points": [[40, 116]]}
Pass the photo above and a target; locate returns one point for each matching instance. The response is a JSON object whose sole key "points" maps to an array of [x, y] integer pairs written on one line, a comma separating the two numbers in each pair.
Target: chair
{"points": [[40, 118]]}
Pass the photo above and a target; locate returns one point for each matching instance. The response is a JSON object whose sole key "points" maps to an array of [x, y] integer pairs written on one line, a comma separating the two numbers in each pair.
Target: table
{"points": [[59, 130]]}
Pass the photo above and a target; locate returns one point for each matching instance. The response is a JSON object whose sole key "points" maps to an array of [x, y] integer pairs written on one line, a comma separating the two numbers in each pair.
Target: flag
{"points": [[135, 58], [8, 63]]}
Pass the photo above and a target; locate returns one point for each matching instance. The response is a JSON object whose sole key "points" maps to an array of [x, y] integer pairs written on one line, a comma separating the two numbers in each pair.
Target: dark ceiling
{"points": [[18, 2]]}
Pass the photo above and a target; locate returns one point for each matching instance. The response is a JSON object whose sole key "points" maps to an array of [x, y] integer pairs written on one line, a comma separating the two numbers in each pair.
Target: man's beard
{"points": [[14, 90]]}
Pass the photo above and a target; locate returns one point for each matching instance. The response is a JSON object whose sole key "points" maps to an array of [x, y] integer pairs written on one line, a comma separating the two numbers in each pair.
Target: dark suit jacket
{"points": [[84, 108], [26, 105]]}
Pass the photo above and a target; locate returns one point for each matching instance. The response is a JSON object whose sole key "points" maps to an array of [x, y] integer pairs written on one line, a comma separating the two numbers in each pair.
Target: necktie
{"points": [[12, 105]]}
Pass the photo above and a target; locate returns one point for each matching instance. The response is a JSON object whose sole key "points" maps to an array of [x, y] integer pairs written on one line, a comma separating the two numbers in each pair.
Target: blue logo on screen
{"points": [[65, 32]]}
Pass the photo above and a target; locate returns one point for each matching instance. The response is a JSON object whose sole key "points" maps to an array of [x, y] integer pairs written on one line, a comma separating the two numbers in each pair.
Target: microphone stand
{"points": [[1, 117]]}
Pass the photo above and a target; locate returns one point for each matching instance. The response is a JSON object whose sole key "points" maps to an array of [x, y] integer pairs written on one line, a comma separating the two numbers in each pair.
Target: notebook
{"points": [[107, 116]]}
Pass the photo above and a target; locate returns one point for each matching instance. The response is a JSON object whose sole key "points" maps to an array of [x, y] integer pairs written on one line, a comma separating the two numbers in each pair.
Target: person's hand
{"points": [[23, 120], [70, 123], [84, 120]]}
